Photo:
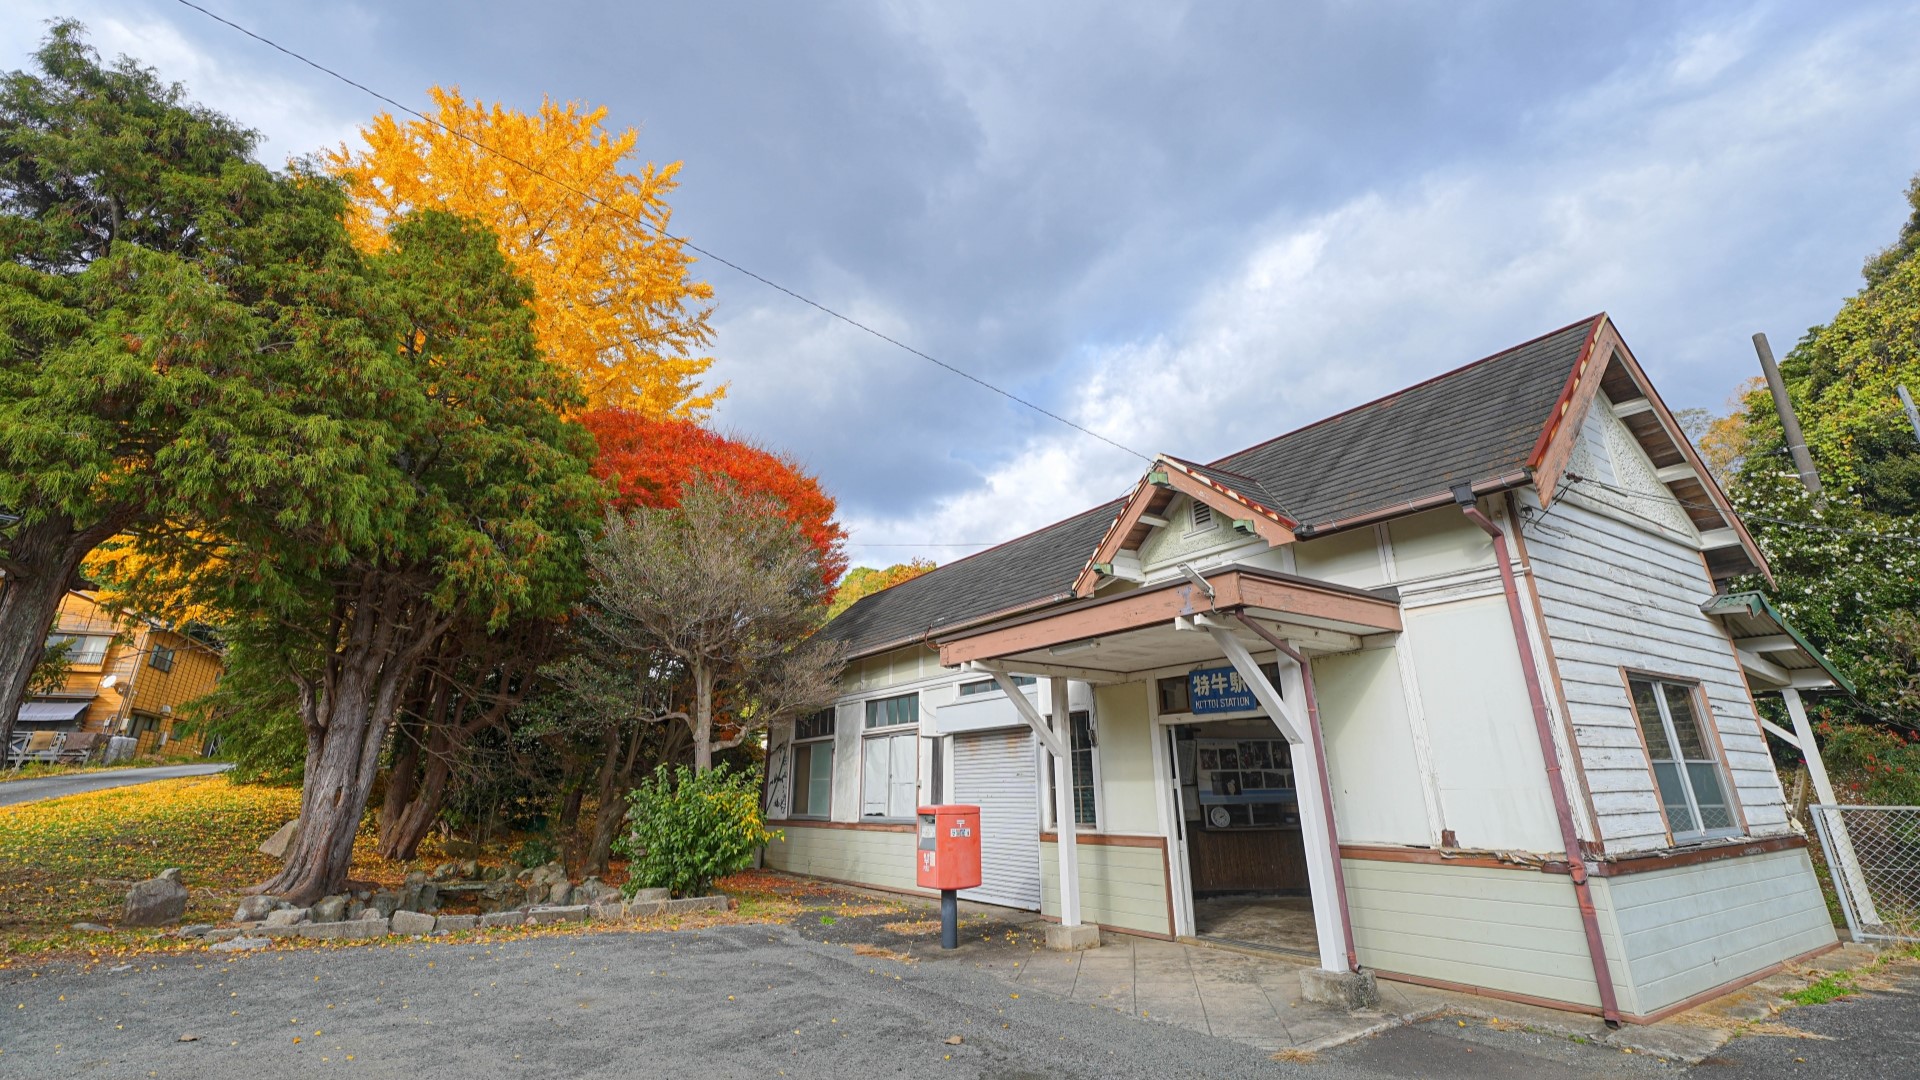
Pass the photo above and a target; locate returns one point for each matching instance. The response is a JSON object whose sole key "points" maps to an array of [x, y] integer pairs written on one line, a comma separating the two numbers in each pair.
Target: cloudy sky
{"points": [[1187, 226]]}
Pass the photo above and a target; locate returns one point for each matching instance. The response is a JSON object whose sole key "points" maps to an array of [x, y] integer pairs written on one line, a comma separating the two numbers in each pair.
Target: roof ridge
{"points": [[1588, 322]]}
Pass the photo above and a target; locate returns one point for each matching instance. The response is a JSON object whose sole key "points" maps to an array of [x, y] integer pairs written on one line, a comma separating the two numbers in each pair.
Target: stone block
{"points": [[239, 944], [651, 894], [386, 903], [608, 911], [323, 930], [156, 901], [412, 923], [282, 839], [1072, 938], [639, 909], [541, 916], [223, 934], [365, 929], [328, 909], [255, 908], [504, 918], [1348, 990], [447, 924], [292, 916]]}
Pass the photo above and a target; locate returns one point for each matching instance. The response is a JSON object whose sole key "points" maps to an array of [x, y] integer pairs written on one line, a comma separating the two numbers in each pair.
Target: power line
{"points": [[662, 233]]}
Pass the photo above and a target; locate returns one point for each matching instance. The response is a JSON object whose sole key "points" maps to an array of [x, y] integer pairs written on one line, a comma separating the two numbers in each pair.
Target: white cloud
{"points": [[1668, 194], [258, 89]]}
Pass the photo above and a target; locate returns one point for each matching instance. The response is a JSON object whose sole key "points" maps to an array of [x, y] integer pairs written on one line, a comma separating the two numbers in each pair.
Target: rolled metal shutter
{"points": [[997, 771]]}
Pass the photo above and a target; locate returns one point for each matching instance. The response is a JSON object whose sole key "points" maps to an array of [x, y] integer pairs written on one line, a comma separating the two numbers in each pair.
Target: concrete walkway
{"points": [[1253, 1000], [54, 787]]}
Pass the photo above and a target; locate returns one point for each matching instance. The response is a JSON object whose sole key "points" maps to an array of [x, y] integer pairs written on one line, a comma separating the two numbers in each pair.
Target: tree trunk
{"points": [[413, 823], [570, 806], [40, 564], [702, 717], [403, 778], [381, 631]]}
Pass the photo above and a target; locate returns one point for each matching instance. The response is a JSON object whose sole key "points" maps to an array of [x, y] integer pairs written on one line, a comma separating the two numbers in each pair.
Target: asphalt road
{"points": [[740, 1001], [736, 1001], [1875, 1036], [53, 787]]}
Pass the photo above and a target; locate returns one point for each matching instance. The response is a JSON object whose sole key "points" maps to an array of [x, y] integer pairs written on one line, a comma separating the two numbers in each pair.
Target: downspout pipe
{"points": [[1326, 784], [1549, 756]]}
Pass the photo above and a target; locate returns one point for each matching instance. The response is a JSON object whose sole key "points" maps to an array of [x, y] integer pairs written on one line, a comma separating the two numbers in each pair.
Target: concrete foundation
{"points": [[1072, 938], [1345, 989]]}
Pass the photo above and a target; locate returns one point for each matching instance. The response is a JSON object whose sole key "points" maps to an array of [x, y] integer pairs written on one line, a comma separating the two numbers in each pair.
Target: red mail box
{"points": [[949, 847]]}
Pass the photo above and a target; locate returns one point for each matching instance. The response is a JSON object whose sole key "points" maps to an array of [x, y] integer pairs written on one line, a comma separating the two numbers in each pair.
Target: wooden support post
{"points": [[1328, 925], [1063, 807], [1842, 859]]}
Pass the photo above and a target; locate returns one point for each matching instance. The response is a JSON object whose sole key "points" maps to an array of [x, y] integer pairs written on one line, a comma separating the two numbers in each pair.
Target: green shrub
{"points": [[687, 829]]}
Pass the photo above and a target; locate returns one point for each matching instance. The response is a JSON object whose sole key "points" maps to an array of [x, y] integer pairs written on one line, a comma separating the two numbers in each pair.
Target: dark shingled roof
{"points": [[1035, 567], [1475, 423], [1479, 422]]}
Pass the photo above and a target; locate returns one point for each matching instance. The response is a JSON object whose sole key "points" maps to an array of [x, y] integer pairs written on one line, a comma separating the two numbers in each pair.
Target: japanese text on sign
{"points": [[1218, 690]]}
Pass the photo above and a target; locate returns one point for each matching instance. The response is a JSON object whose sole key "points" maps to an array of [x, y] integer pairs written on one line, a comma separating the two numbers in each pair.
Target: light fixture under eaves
{"points": [[1193, 576], [1074, 647]]}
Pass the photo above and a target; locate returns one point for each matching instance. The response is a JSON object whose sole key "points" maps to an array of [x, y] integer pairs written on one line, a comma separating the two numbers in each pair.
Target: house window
{"points": [[1692, 790], [890, 757], [813, 764], [161, 659], [991, 686], [85, 648], [1085, 785], [1200, 514]]}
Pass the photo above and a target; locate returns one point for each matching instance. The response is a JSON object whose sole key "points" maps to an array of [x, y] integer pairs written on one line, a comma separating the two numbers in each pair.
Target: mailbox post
{"points": [[948, 859]]}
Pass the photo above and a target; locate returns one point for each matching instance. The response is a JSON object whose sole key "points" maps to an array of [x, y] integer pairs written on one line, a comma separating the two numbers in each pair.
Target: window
{"points": [[1201, 515], [1692, 790], [1082, 755], [890, 758], [990, 686], [813, 764], [161, 659], [85, 648]]}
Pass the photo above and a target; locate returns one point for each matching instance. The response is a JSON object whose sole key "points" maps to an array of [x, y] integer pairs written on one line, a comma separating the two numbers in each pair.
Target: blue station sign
{"points": [[1219, 690]]}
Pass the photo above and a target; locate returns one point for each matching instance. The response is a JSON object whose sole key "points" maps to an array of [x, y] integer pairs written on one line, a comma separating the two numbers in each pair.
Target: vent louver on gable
{"points": [[1201, 514]]}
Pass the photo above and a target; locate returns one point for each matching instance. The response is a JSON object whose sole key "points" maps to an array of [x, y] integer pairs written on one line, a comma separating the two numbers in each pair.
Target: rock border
{"points": [[417, 924]]}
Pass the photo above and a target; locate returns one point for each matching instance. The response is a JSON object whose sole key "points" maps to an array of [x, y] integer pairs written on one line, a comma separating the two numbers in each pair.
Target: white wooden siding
{"points": [[1123, 739], [1616, 595], [862, 856], [1486, 759], [1378, 794], [1510, 930], [1688, 930], [1123, 887]]}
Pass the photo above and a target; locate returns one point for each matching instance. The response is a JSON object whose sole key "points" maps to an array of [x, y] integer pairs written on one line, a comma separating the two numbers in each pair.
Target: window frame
{"points": [[154, 656], [1092, 750], [876, 708], [812, 745], [989, 686], [1709, 742], [74, 658]]}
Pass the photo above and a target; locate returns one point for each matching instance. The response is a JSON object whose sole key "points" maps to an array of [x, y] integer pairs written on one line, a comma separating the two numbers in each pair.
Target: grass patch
{"points": [[72, 859], [1832, 988]]}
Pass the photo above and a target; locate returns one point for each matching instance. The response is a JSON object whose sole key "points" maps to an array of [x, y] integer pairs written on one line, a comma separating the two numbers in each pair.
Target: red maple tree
{"points": [[650, 461]]}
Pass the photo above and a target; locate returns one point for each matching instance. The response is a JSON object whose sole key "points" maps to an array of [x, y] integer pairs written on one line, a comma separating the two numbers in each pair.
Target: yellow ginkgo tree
{"points": [[614, 299]]}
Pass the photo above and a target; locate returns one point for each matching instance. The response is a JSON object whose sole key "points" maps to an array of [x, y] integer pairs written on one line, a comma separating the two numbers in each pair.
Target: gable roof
{"points": [[1488, 424], [1477, 424]]}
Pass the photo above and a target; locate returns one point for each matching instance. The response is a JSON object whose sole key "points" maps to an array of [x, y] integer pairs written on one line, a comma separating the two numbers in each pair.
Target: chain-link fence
{"points": [[1874, 854]]}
